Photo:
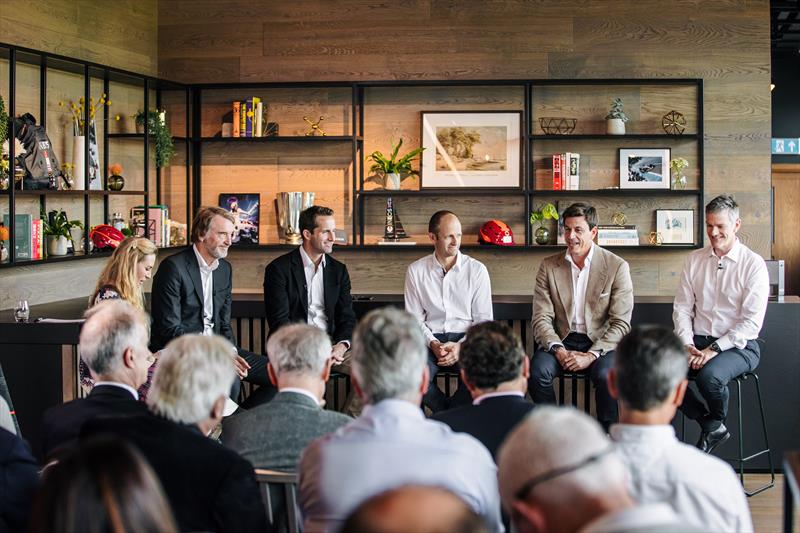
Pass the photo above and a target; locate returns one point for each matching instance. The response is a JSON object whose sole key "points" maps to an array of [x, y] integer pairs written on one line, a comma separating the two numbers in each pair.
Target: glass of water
{"points": [[22, 312]]}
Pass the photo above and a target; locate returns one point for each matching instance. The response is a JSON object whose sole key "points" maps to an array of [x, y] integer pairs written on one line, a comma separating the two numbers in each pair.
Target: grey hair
{"points": [[299, 349], [724, 202], [557, 437], [193, 373], [111, 327], [389, 354]]}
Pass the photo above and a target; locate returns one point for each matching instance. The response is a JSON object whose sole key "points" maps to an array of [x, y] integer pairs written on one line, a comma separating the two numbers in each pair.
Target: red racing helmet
{"points": [[496, 232], [105, 236]]}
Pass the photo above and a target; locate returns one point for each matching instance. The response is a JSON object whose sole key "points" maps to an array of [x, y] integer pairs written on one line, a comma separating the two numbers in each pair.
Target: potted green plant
{"points": [[392, 168], [616, 118], [545, 212], [56, 227], [159, 133]]}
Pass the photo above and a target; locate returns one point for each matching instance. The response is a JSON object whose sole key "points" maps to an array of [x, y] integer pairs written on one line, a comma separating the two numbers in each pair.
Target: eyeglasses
{"points": [[525, 489]]}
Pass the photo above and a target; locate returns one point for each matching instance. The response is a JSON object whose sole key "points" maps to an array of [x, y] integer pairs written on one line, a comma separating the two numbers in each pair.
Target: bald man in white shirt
{"points": [[718, 312]]}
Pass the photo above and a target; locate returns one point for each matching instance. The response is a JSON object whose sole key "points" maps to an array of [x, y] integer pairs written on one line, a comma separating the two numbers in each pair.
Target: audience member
{"points": [[102, 485], [113, 343], [447, 292], [6, 420], [415, 509], [209, 486], [582, 307], [19, 477], [559, 472], [495, 370], [718, 312], [391, 443], [273, 435], [649, 380]]}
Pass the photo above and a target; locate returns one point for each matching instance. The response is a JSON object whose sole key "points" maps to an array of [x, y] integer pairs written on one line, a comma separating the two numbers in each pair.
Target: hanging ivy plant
{"points": [[160, 134]]}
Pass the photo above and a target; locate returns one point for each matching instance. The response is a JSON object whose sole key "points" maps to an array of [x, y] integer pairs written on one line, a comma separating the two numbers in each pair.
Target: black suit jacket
{"points": [[209, 487], [19, 477], [177, 299], [490, 421], [286, 295], [61, 424]]}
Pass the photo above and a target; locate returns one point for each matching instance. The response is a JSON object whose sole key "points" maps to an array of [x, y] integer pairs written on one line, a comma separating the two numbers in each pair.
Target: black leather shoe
{"points": [[711, 439]]}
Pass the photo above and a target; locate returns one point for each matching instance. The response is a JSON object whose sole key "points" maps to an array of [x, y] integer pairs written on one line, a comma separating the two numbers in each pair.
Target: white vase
{"points": [[615, 126], [79, 162], [56, 245], [393, 182], [76, 234]]}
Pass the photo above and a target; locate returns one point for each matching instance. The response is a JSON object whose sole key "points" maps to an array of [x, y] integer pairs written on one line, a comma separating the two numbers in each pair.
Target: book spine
{"points": [[575, 172], [236, 112], [556, 172], [259, 119], [249, 115], [36, 236], [242, 118], [564, 172]]}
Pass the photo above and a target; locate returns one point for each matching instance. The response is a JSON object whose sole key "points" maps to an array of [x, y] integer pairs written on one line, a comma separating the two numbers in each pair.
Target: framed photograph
{"points": [[644, 168], [471, 149], [244, 208], [676, 226]]}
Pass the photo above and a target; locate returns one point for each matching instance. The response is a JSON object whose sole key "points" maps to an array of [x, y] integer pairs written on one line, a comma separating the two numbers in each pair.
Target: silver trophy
{"points": [[290, 204]]}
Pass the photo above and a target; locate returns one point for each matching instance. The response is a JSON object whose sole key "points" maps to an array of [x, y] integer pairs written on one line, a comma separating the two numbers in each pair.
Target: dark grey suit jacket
{"points": [[273, 435]]}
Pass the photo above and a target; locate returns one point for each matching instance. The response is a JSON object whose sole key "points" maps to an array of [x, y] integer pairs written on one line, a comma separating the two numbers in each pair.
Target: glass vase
{"points": [[679, 181]]}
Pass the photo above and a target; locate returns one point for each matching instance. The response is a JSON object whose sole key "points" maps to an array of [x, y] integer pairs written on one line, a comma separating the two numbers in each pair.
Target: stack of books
{"points": [[28, 237], [612, 235], [158, 229], [566, 171], [248, 118]]}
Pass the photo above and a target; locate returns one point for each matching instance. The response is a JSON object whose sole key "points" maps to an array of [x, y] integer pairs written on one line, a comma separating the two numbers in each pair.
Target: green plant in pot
{"points": [[616, 118], [159, 133], [545, 212], [392, 168], [56, 227]]}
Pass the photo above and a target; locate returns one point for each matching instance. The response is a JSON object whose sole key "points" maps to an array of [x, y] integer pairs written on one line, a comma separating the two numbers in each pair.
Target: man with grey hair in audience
{"points": [[113, 344], [273, 435], [391, 443], [559, 472], [649, 380], [210, 488]]}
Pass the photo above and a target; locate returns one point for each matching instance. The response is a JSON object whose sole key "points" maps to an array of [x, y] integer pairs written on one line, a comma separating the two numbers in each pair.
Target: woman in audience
{"points": [[102, 485], [130, 266]]}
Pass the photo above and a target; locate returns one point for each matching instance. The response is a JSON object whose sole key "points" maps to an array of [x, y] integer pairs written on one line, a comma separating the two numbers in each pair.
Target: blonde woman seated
{"points": [[130, 266]]}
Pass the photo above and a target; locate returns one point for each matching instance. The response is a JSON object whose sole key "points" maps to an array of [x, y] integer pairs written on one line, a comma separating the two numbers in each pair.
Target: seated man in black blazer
{"points": [[495, 370], [19, 478], [308, 285], [192, 293], [113, 344], [209, 487]]}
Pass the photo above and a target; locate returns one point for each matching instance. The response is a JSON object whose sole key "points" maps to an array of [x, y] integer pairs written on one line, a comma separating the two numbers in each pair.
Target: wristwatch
{"points": [[714, 346], [555, 347]]}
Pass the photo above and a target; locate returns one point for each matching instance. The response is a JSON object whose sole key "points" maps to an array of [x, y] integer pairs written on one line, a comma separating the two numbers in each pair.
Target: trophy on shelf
{"points": [[393, 229], [290, 204]]}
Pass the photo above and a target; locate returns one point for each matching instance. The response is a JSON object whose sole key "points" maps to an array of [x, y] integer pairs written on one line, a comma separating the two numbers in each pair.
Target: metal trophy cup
{"points": [[290, 204]]}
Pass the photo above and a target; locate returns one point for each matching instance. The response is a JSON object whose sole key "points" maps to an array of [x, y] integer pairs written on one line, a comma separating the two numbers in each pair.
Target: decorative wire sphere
{"points": [[557, 125], [674, 123], [619, 218]]}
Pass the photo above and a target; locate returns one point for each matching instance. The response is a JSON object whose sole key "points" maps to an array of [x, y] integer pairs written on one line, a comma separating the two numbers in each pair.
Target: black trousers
{"points": [[257, 375], [435, 399], [545, 368], [707, 401]]}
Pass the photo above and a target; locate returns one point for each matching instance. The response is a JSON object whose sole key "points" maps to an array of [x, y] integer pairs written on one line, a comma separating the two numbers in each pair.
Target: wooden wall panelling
{"points": [[786, 184]]}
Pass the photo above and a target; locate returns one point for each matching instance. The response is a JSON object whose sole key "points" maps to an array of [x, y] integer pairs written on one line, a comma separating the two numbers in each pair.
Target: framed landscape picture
{"points": [[471, 149], [676, 226], [644, 168], [244, 208]]}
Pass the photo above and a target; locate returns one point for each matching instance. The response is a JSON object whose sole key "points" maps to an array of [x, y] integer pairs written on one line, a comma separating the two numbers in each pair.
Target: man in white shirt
{"points": [[447, 292], [582, 307], [718, 312], [391, 444], [649, 380]]}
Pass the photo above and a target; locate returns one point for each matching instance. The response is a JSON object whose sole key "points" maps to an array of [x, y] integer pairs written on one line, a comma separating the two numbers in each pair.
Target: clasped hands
{"points": [[573, 360], [446, 352], [699, 358]]}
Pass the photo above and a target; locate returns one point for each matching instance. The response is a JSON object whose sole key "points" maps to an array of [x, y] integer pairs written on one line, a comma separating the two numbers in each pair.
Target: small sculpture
{"points": [[314, 127], [674, 123], [656, 239], [619, 218]]}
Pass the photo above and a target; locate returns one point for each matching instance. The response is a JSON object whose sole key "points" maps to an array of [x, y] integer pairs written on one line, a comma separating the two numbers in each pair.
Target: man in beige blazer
{"points": [[582, 307]]}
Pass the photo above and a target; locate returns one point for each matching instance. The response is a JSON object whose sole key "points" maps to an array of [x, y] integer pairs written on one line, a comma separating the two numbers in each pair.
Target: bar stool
{"points": [[587, 389], [337, 379]]}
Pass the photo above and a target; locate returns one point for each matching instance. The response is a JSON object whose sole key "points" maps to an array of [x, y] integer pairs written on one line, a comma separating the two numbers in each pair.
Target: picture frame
{"points": [[476, 149], [644, 168], [676, 226], [245, 210]]}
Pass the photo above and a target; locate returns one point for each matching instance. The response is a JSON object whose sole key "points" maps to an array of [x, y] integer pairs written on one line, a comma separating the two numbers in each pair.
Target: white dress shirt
{"points": [[128, 388], [207, 279], [479, 399], [304, 392], [448, 302], [701, 488], [392, 444], [725, 298], [580, 279], [316, 290], [655, 517]]}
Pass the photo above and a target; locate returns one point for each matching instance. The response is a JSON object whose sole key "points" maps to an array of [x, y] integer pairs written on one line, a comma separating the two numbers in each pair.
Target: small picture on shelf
{"points": [[644, 168], [676, 226], [245, 211]]}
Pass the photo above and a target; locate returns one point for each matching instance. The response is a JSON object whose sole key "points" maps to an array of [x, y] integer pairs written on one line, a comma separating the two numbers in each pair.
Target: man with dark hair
{"points": [[649, 380], [495, 370], [308, 285], [718, 312], [447, 292], [582, 307]]}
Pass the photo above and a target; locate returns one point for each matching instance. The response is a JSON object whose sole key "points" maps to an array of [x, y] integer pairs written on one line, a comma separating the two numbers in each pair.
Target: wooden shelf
{"points": [[441, 192], [283, 138], [140, 136], [618, 192], [601, 136], [50, 192], [57, 259]]}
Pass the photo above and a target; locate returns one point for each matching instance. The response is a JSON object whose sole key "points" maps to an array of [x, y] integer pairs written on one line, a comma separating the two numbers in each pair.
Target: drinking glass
{"points": [[22, 312]]}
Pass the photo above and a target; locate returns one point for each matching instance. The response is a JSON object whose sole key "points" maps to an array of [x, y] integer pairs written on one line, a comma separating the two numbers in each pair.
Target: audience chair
{"points": [[337, 381], [279, 494], [574, 377], [6, 395]]}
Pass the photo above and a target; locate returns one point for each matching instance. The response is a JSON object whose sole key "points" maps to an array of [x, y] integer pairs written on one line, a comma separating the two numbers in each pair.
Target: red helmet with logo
{"points": [[105, 236], [496, 232]]}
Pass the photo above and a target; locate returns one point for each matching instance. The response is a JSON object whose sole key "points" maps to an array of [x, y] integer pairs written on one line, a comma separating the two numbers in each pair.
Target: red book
{"points": [[236, 119], [564, 172], [557, 172]]}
